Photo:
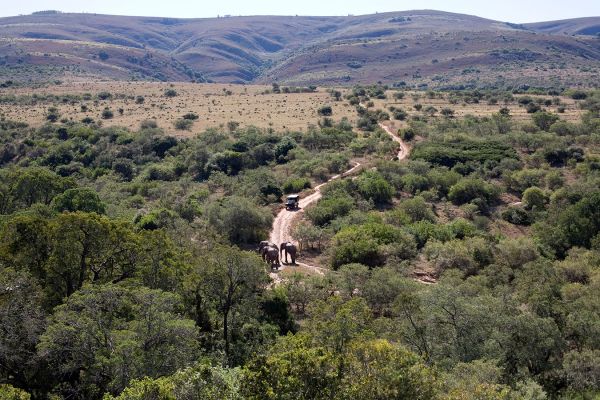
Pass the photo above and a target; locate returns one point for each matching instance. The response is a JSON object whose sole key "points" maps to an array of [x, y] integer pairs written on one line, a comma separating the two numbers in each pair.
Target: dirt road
{"points": [[282, 225], [404, 148]]}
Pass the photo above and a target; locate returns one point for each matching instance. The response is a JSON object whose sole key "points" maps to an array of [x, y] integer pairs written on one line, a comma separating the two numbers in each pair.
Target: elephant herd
{"points": [[271, 253]]}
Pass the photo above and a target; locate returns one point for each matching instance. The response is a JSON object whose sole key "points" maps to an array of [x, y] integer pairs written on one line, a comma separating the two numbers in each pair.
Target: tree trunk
{"points": [[226, 332], [202, 319]]}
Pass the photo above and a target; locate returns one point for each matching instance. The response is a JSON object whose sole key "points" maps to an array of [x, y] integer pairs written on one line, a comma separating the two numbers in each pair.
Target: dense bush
{"points": [[450, 153], [123, 272], [469, 189], [296, 185]]}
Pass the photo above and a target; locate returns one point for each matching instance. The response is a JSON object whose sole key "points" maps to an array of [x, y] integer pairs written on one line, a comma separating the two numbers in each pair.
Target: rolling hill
{"points": [[418, 48]]}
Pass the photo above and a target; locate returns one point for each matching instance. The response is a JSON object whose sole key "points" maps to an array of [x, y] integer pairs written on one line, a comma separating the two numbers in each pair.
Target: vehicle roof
{"points": [[293, 196]]}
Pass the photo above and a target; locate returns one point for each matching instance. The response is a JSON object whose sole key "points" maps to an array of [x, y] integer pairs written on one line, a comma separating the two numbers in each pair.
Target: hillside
{"points": [[431, 48], [576, 26]]}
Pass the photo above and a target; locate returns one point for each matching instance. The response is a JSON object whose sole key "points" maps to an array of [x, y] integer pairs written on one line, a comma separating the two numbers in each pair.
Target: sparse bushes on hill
{"points": [[170, 93]]}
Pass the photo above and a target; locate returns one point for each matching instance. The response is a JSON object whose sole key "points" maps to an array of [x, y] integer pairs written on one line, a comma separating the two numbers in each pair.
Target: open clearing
{"points": [[218, 104]]}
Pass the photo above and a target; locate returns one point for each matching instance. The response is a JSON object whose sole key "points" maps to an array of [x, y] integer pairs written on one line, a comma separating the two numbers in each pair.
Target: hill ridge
{"points": [[414, 47]]}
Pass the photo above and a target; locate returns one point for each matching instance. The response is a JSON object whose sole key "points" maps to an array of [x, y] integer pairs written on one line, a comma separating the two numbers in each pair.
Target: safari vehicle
{"points": [[292, 202]]}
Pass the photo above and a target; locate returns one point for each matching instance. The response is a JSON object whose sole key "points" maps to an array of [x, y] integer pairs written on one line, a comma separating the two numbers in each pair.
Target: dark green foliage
{"points": [[544, 120], [104, 95], [580, 222], [329, 208], [53, 114], [516, 215], [23, 187], [533, 108], [238, 219], [372, 186], [450, 153], [147, 293], [325, 111], [156, 219], [469, 189], [183, 124], [107, 114], [366, 244], [579, 95], [296, 185], [191, 116], [142, 335], [79, 199]]}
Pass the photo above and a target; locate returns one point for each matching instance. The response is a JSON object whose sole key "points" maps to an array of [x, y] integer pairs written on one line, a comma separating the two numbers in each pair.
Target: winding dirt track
{"points": [[281, 230]]}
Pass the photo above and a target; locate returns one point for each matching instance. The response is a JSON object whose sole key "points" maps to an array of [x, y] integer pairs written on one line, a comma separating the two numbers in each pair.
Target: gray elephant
{"points": [[291, 249], [271, 256], [264, 246]]}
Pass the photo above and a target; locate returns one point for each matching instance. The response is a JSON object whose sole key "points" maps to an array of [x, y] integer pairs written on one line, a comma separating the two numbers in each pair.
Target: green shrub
{"points": [[544, 120], [192, 117], [325, 111], [369, 245], [107, 114], [79, 199], [400, 115], [469, 189], [329, 208], [183, 124], [516, 216], [372, 186], [450, 153], [296, 185]]}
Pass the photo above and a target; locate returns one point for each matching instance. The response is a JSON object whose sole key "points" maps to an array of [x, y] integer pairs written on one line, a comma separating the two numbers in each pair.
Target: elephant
{"points": [[264, 246], [271, 256], [291, 249]]}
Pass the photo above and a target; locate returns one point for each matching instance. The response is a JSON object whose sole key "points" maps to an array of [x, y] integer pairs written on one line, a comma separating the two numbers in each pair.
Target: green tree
{"points": [[379, 370], [582, 370], [325, 111], [417, 209], [199, 382], [23, 320], [369, 244], [231, 280], [534, 198], [35, 185], [372, 186], [105, 336], [79, 199], [469, 189], [544, 120], [239, 219], [294, 369], [88, 248]]}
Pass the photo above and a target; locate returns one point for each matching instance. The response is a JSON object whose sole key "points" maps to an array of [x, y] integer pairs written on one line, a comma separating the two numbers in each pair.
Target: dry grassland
{"points": [[218, 104]]}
